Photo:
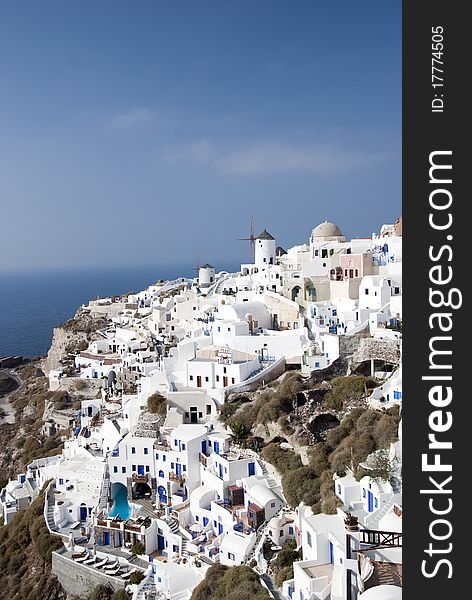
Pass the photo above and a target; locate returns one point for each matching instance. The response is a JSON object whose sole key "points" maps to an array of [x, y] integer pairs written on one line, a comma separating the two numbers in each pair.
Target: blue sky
{"points": [[138, 133]]}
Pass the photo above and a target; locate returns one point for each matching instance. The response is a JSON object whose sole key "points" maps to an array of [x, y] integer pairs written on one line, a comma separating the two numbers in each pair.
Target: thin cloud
{"points": [[276, 157], [135, 117]]}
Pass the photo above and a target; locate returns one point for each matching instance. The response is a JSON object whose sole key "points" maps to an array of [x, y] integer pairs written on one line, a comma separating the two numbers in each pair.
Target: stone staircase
{"points": [[373, 520], [184, 547], [50, 517], [104, 491], [147, 589]]}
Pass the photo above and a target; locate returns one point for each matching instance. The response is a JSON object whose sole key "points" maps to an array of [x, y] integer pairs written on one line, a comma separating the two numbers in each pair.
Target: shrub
{"points": [[120, 595], [330, 504], [101, 592], [283, 460], [386, 430], [157, 404], [283, 574], [138, 548], [136, 577], [230, 583], [299, 484], [344, 389], [319, 457], [80, 384]]}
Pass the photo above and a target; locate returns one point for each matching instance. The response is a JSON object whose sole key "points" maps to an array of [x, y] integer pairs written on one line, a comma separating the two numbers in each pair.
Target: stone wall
{"points": [[79, 580], [253, 383], [378, 349]]}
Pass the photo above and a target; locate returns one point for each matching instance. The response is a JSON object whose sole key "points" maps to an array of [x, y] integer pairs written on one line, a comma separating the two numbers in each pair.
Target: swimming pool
{"points": [[121, 507]]}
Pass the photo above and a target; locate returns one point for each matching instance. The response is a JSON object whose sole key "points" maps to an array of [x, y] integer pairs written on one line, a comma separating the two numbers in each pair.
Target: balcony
{"points": [[176, 478], [137, 478]]}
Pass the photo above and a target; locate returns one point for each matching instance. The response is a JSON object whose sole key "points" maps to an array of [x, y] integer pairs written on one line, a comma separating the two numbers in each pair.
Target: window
{"points": [[397, 395], [317, 365], [217, 378], [281, 533], [363, 492], [230, 554], [171, 465], [366, 291], [183, 446], [61, 481], [308, 538], [207, 379], [219, 328], [290, 530], [272, 504], [376, 503], [161, 474], [133, 467], [229, 328], [176, 442], [164, 458], [133, 450], [175, 548], [208, 409], [224, 369], [335, 312], [233, 380], [123, 469], [147, 468], [184, 467], [339, 489], [191, 377], [146, 450], [115, 469]]}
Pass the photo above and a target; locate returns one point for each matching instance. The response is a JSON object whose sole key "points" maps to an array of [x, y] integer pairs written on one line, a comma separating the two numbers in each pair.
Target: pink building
{"points": [[352, 266]]}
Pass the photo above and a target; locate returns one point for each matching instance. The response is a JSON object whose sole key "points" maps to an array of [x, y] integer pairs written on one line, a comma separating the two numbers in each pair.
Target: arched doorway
{"points": [[141, 490], [295, 292]]}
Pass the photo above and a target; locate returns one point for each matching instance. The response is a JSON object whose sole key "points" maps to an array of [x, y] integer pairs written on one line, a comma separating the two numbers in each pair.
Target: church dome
{"points": [[326, 230]]}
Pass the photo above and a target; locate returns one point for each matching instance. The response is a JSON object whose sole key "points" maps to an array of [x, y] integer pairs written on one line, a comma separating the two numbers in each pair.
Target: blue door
{"points": [[220, 528], [204, 447], [106, 538], [216, 447], [251, 468], [83, 513], [178, 469], [140, 469], [370, 501], [161, 542], [161, 490], [205, 521], [331, 553], [220, 469]]}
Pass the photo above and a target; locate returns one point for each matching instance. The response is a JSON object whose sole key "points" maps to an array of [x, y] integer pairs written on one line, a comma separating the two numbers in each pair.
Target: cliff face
{"points": [[72, 336]]}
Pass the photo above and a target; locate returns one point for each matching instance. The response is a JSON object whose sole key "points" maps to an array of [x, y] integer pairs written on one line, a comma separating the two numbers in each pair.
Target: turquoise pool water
{"points": [[121, 507]]}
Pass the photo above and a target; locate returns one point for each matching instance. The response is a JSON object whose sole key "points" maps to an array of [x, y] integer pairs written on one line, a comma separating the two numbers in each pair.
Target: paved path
{"points": [[5, 405]]}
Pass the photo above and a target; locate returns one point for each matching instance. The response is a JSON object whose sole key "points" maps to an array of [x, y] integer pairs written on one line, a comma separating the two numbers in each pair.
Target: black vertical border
{"points": [[425, 132]]}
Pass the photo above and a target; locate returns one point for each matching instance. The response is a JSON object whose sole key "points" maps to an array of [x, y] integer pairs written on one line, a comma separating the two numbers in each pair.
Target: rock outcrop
{"points": [[71, 337]]}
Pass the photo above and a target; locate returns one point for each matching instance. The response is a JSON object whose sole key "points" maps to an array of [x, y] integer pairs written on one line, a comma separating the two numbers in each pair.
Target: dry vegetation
{"points": [[25, 556], [225, 583]]}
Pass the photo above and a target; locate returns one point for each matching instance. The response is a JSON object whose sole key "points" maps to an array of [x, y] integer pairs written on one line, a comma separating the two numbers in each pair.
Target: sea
{"points": [[32, 304]]}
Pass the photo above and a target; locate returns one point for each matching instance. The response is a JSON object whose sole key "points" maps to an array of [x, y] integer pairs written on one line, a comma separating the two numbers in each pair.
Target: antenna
{"points": [[251, 239]]}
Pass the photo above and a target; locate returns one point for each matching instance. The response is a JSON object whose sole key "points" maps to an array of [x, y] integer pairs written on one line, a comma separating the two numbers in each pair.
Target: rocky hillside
{"points": [[71, 337], [25, 557]]}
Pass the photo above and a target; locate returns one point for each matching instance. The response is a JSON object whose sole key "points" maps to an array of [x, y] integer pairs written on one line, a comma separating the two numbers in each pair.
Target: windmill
{"points": [[251, 239]]}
